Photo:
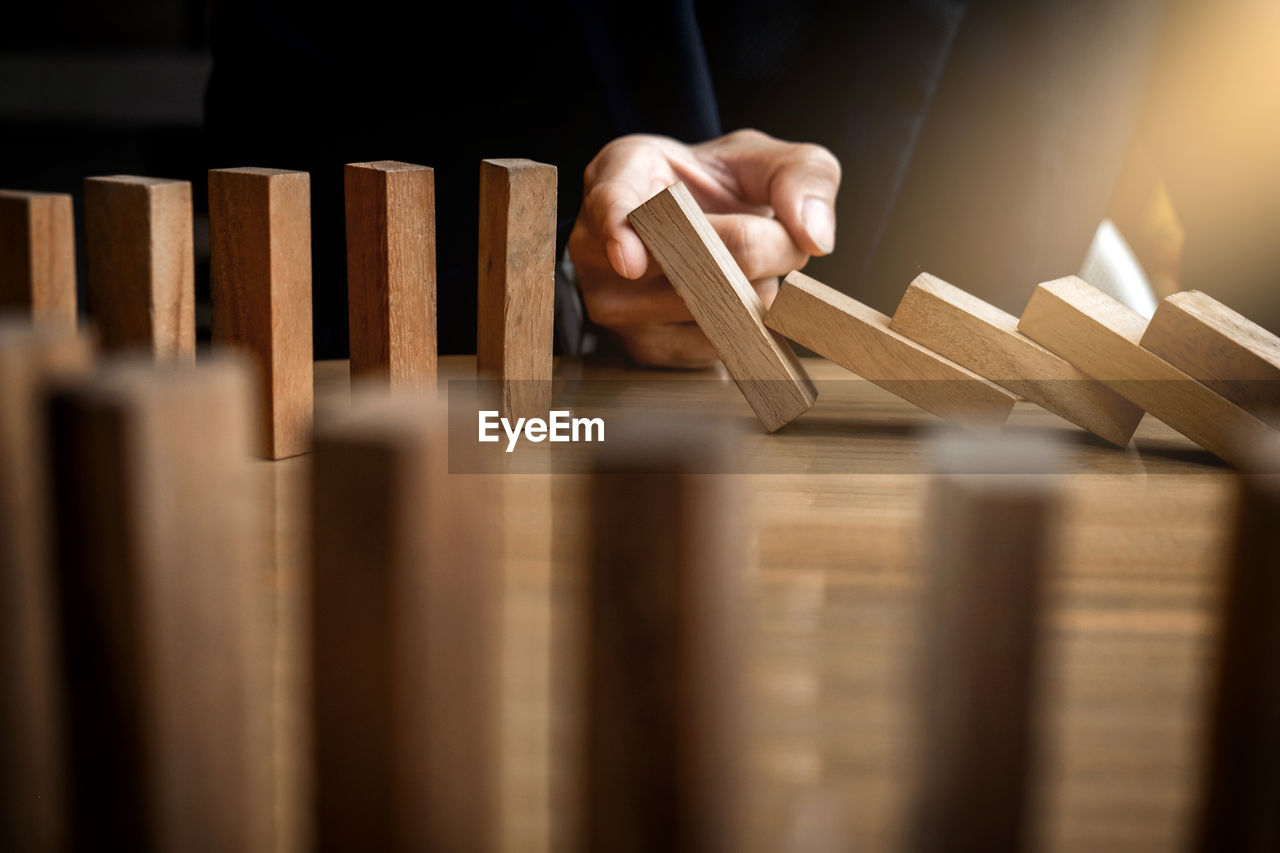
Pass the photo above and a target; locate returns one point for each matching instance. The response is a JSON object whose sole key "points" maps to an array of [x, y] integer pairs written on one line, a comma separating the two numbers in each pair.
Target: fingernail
{"points": [[820, 223], [619, 260]]}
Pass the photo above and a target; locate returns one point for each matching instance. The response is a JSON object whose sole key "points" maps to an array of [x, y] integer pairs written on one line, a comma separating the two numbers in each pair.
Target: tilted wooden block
{"points": [[141, 264], [32, 742], [860, 339], [391, 271], [990, 523], [1242, 767], [663, 643], [405, 597], [165, 644], [1226, 351], [38, 254], [984, 339], [260, 268], [725, 306], [1101, 337], [517, 282]]}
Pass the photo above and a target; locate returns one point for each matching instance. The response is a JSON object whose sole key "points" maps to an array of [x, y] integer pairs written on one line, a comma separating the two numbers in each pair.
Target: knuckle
{"points": [[820, 157]]}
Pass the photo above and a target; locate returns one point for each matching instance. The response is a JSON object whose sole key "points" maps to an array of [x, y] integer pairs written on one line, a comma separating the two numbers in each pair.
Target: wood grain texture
{"points": [[165, 644], [725, 306], [405, 600], [391, 271], [1101, 337], [517, 282], [990, 521], [1241, 787], [1231, 354], [979, 336], [260, 268], [32, 744], [38, 254], [860, 339], [662, 643], [140, 264]]}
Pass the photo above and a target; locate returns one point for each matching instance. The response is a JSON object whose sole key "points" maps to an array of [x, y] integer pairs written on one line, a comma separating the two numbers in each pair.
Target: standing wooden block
{"points": [[260, 257], [979, 336], [1231, 354], [141, 265], [860, 339], [517, 282], [1241, 807], [663, 644], [404, 608], [991, 515], [38, 254], [1101, 337], [165, 650], [727, 309], [31, 738], [391, 271]]}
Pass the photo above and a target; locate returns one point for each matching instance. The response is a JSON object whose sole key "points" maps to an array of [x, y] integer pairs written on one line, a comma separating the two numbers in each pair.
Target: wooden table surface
{"points": [[837, 502]]}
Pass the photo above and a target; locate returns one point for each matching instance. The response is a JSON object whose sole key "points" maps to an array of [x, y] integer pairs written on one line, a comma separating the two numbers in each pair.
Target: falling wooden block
{"points": [[38, 254], [979, 336], [404, 608], [727, 309], [663, 644], [517, 282], [992, 510], [165, 651], [260, 267], [1231, 354], [1101, 337], [141, 264], [391, 271], [1242, 780], [860, 339], [31, 739]]}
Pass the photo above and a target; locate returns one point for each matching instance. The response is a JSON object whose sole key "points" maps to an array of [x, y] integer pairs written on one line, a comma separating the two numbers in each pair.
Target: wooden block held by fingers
{"points": [[1101, 337], [38, 254], [662, 638], [991, 517], [982, 338], [1231, 354], [140, 264], [391, 271], [1242, 771], [859, 338], [517, 282], [260, 268], [404, 606], [726, 307], [165, 648], [32, 742]]}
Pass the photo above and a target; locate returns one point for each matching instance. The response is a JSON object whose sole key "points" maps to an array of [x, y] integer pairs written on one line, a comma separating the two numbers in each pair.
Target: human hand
{"points": [[772, 202]]}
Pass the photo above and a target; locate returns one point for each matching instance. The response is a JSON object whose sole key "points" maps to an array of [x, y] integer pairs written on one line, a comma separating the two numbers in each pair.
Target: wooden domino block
{"points": [[260, 267], [1228, 352], [1242, 779], [991, 515], [860, 339], [404, 609], [1101, 337], [38, 254], [31, 739], [141, 264], [662, 638], [979, 336], [391, 271], [165, 650], [727, 309], [517, 282]]}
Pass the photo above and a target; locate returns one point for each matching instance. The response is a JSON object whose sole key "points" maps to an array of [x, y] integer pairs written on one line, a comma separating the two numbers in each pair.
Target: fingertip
{"points": [[628, 257], [819, 223]]}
